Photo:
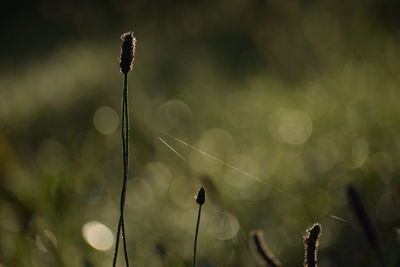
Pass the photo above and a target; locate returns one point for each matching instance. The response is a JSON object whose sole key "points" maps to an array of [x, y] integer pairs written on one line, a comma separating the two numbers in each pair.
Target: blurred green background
{"points": [[297, 98]]}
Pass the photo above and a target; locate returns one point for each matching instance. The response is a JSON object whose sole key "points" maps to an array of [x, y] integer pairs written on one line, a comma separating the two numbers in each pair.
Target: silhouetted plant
{"points": [[311, 240], [261, 250], [126, 60], [200, 199]]}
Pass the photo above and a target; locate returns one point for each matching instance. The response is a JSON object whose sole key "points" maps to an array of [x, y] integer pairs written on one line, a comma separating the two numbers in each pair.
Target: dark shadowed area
{"points": [[273, 106]]}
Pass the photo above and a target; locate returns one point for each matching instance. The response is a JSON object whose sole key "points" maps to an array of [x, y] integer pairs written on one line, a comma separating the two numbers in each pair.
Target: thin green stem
{"points": [[195, 236], [126, 166], [125, 153], [117, 242]]}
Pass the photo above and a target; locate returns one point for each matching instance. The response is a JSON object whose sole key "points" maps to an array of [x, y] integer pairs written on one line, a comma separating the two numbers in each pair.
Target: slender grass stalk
{"points": [[311, 240], [200, 199], [360, 214], [125, 152], [127, 55], [261, 249]]}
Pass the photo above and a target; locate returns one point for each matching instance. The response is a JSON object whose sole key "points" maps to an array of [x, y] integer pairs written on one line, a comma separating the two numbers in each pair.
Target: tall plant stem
{"points": [[125, 154], [195, 236]]}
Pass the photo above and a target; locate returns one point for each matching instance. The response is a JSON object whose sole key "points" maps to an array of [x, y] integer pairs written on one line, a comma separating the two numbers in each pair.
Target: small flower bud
{"points": [[201, 196], [127, 52]]}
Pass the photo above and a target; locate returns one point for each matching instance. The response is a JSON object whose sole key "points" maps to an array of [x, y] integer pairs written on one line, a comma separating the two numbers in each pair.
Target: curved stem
{"points": [[117, 243], [126, 166], [125, 154], [195, 236]]}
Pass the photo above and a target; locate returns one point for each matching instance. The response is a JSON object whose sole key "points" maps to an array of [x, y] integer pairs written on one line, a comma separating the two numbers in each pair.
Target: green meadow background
{"points": [[273, 106]]}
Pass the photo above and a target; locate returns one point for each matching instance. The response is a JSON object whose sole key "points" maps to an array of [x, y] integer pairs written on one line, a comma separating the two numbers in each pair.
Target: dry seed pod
{"points": [[201, 196], [127, 52], [262, 250], [311, 239]]}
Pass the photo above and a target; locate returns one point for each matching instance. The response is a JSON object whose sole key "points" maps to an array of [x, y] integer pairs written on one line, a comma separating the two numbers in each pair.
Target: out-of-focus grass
{"points": [[303, 97]]}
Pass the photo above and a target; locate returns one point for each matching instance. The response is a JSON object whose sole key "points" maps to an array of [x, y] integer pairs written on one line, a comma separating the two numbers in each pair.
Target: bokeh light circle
{"points": [[294, 127], [97, 235], [106, 120]]}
